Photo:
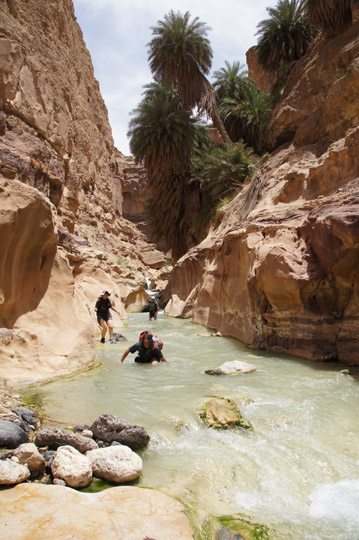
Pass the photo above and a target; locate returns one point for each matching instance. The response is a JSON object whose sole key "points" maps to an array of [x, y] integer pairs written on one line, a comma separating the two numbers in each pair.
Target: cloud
{"points": [[117, 33]]}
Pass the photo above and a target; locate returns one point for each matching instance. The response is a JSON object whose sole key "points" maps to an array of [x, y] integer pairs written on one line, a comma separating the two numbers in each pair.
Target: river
{"points": [[297, 472]]}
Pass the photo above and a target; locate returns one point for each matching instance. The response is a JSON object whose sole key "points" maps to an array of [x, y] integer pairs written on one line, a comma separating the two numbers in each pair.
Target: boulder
{"points": [[231, 368], [12, 472], [72, 467], [53, 438], [11, 435], [29, 455], [222, 413], [115, 464], [124, 512], [109, 428]]}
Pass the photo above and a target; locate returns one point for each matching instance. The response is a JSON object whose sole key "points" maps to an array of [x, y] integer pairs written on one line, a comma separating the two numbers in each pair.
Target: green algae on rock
{"points": [[223, 413]]}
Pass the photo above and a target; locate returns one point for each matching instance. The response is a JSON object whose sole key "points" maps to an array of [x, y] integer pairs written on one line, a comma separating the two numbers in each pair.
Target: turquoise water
{"points": [[298, 472]]}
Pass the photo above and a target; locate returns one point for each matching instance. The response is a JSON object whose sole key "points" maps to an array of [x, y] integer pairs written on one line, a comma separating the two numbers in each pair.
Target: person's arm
{"points": [[123, 356], [114, 309], [163, 359], [158, 308]]}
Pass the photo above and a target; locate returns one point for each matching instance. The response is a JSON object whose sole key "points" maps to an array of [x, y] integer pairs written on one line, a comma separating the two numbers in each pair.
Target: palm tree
{"points": [[231, 81], [223, 170], [162, 137], [180, 55], [285, 35], [331, 15], [246, 118]]}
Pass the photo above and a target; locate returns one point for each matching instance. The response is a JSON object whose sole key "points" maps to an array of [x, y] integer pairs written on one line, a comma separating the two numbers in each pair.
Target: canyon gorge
{"points": [[278, 269]]}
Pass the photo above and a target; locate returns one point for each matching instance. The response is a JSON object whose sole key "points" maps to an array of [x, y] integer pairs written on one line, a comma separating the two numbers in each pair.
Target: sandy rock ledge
{"points": [[48, 512]]}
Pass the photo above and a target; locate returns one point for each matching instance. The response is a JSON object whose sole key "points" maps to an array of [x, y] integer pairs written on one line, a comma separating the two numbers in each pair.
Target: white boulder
{"points": [[231, 368], [72, 466], [28, 454], [12, 472], [115, 463]]}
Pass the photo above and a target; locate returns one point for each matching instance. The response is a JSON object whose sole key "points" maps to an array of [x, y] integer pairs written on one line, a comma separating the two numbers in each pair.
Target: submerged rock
{"points": [[115, 464], [11, 434], [231, 368], [53, 438], [110, 428], [222, 413]]}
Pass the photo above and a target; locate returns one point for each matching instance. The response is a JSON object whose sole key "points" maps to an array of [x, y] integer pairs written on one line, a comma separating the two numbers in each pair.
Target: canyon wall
{"points": [[280, 269], [62, 235]]}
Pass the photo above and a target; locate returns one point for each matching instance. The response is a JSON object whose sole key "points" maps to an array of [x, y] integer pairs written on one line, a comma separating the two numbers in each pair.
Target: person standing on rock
{"points": [[148, 348], [153, 308], [104, 317]]}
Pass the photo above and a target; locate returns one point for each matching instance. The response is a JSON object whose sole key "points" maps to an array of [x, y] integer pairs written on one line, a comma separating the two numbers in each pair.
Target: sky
{"points": [[117, 32]]}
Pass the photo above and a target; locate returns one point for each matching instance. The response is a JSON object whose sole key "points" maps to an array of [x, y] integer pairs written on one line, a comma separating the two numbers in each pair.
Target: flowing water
{"points": [[298, 472]]}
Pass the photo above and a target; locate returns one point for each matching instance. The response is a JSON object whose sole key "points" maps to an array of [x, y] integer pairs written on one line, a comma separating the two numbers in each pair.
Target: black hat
{"points": [[106, 292]]}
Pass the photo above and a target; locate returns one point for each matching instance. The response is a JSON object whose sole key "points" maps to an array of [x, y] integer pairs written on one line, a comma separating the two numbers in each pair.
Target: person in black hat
{"points": [[104, 317]]}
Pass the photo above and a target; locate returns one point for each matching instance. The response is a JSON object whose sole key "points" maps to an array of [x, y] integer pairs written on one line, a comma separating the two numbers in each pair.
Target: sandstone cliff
{"points": [[280, 271], [62, 235]]}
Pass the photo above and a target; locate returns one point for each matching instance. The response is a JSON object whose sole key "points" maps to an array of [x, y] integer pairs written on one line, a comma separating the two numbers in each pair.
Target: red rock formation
{"points": [[262, 78], [280, 271]]}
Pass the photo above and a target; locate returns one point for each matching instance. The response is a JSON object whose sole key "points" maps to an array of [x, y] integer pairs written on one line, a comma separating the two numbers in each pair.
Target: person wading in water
{"points": [[104, 317], [148, 348]]}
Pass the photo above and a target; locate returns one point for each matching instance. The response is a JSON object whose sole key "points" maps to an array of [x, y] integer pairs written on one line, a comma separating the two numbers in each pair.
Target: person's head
{"points": [[151, 299], [146, 339], [106, 294]]}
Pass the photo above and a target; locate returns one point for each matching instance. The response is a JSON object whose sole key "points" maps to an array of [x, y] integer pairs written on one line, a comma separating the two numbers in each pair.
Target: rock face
{"points": [[319, 102], [280, 271], [121, 512], [62, 235]]}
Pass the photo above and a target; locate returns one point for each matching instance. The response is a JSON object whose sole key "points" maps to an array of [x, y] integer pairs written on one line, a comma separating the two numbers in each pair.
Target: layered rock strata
{"points": [[63, 238], [280, 271]]}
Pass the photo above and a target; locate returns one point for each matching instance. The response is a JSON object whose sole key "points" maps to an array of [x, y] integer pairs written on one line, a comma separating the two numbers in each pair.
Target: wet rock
{"points": [[11, 434], [115, 464], [27, 415], [231, 368], [222, 413], [72, 467], [29, 455], [12, 472], [53, 438], [110, 428], [118, 337]]}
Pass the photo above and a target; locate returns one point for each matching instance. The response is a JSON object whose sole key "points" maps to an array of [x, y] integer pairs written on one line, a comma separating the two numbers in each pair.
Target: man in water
{"points": [[153, 308], [149, 351], [104, 317]]}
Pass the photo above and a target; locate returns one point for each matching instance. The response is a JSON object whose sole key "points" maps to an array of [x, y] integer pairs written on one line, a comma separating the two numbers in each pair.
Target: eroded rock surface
{"points": [[110, 428], [121, 512], [53, 438], [279, 271]]}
